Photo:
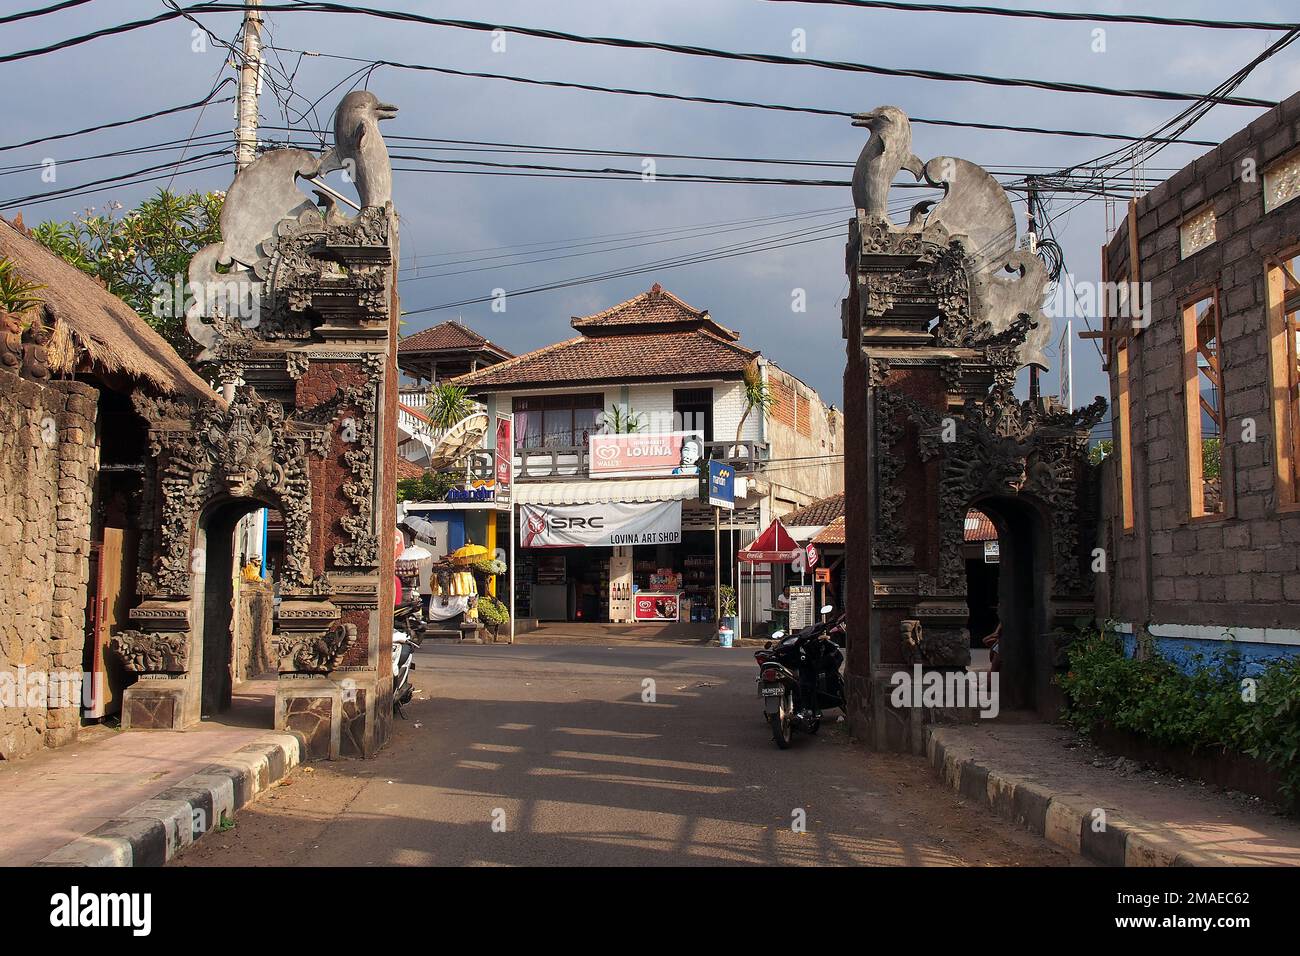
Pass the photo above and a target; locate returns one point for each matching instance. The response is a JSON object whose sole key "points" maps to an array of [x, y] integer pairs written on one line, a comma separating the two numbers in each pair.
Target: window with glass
{"points": [[557, 421], [1203, 394]]}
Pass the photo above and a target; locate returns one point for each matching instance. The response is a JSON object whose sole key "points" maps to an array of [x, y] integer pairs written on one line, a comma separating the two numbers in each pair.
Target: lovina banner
{"points": [[600, 525]]}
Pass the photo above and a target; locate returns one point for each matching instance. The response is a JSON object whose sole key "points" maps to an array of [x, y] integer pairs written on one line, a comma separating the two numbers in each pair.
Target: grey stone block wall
{"points": [[1238, 569], [48, 459]]}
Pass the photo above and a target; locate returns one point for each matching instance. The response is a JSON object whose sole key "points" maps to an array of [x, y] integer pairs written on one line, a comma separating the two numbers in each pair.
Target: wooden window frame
{"points": [[1284, 378], [1192, 402], [1124, 440]]}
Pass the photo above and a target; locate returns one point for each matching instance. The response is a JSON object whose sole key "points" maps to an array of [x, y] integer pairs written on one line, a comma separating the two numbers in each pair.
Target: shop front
{"points": [[625, 556]]}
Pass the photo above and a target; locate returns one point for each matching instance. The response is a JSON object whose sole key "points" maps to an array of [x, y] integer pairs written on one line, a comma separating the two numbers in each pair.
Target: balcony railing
{"points": [[573, 461], [414, 397]]}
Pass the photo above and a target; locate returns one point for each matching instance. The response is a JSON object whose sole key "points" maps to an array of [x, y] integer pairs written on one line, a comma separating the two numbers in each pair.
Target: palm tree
{"points": [[447, 404], [757, 397]]}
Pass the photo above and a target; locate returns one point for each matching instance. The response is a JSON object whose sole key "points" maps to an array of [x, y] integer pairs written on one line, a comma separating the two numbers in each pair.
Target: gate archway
{"points": [[296, 312], [943, 312]]}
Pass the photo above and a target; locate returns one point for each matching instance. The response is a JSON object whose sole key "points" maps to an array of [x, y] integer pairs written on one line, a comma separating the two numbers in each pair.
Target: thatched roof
{"points": [[93, 328]]}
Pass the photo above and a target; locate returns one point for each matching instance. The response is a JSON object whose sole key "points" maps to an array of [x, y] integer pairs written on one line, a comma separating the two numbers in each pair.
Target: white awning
{"points": [[599, 492]]}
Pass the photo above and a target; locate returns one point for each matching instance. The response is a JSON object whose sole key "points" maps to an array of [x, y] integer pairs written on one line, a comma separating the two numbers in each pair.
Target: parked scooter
{"points": [[799, 674], [408, 629]]}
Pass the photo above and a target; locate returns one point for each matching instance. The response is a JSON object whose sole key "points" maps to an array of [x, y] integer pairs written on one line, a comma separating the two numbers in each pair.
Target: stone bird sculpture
{"points": [[359, 148], [887, 151]]}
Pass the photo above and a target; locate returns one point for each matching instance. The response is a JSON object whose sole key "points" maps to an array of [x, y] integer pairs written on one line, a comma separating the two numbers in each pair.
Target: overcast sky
{"points": [[451, 217]]}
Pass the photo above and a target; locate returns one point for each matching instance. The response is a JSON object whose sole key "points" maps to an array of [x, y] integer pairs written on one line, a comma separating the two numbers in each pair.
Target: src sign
{"points": [[600, 525]]}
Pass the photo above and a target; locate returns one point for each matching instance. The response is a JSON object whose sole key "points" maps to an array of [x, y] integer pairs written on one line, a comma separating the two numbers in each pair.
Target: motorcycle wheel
{"points": [[815, 726], [783, 727]]}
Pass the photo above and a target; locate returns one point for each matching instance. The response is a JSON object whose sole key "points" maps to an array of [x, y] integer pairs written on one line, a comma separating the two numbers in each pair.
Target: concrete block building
{"points": [[1202, 530]]}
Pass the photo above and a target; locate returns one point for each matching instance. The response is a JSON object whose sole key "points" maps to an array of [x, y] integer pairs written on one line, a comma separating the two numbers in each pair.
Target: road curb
{"points": [[155, 830], [1063, 819]]}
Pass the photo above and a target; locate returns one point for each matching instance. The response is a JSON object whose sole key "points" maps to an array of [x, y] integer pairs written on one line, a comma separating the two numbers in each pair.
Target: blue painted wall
{"points": [[1183, 652]]}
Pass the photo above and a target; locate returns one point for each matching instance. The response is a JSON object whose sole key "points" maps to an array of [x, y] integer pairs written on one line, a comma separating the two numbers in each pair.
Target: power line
{"points": [[197, 104], [52, 8], [665, 265], [608, 245], [714, 53], [112, 181], [574, 241], [1144, 19], [745, 104], [134, 151]]}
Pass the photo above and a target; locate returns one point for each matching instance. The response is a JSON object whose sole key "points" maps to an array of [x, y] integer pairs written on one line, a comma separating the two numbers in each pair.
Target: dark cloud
{"points": [[444, 216]]}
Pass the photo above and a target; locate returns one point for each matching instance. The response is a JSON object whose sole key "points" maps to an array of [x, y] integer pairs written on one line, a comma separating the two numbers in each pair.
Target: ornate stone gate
{"points": [[941, 315], [296, 311]]}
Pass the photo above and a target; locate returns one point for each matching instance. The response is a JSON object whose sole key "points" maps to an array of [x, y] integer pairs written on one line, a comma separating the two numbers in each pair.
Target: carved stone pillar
{"points": [[296, 307], [941, 314]]}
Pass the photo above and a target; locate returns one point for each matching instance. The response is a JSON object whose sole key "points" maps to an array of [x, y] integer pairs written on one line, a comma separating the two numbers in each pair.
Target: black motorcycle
{"points": [[799, 674]]}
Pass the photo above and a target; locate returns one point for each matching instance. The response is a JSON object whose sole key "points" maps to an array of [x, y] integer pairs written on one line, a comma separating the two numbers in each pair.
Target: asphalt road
{"points": [[549, 755]]}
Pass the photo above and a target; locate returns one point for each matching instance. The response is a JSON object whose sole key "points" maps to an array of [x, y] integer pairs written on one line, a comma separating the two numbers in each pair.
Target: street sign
{"points": [[721, 490], [801, 606], [813, 555]]}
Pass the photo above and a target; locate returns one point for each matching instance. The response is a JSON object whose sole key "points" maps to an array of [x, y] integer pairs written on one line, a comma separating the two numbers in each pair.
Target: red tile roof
{"points": [[979, 527], [818, 514], [833, 533], [448, 337], [682, 354], [408, 469], [657, 307]]}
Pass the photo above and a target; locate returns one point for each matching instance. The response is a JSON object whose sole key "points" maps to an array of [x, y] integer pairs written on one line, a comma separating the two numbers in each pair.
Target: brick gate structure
{"points": [[941, 315], [296, 310]]}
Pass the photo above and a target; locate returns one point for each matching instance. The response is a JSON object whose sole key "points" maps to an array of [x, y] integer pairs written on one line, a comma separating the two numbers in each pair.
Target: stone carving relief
{"points": [[205, 453], [361, 549], [980, 283], [256, 284], [152, 652], [315, 653]]}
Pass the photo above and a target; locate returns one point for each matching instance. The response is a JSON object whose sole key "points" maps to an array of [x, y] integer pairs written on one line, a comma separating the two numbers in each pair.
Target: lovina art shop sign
{"points": [[649, 455], [601, 525]]}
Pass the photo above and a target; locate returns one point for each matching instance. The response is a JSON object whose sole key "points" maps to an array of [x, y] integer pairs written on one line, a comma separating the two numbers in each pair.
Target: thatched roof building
{"points": [[93, 331]]}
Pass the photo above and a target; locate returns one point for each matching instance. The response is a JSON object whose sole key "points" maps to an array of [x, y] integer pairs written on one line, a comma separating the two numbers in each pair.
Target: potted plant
{"points": [[727, 598]]}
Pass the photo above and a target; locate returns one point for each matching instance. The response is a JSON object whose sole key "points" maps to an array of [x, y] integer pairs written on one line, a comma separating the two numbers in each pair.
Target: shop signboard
{"points": [[645, 455], [721, 490], [654, 607], [801, 606], [504, 457], [992, 553], [813, 555], [601, 524]]}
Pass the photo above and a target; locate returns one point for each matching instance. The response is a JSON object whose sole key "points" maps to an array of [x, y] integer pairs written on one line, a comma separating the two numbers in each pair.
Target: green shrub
{"points": [[491, 612], [1212, 707]]}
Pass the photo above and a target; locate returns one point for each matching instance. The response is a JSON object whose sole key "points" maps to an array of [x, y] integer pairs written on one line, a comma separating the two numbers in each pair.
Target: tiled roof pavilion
{"points": [[652, 336]]}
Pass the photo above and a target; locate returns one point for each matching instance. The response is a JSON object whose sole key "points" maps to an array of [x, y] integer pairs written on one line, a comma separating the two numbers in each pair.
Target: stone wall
{"points": [[254, 652], [48, 458], [1237, 568]]}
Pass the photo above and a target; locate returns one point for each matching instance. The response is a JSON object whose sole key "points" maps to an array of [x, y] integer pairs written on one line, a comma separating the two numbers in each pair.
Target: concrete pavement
{"points": [[601, 754]]}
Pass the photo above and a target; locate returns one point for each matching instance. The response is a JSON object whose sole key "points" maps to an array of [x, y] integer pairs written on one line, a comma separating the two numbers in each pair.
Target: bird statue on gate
{"points": [[887, 151], [359, 147]]}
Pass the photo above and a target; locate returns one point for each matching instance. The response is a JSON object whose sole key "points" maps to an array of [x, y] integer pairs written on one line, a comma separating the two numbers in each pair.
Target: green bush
{"points": [[1212, 707], [491, 612]]}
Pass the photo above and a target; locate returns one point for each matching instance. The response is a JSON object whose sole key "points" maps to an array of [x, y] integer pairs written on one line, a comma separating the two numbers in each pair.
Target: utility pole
{"points": [[250, 81], [1031, 222]]}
